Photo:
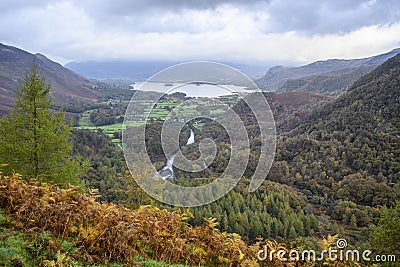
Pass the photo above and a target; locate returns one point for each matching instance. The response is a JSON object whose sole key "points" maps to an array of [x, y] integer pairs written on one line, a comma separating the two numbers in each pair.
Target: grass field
{"points": [[158, 112], [85, 123]]}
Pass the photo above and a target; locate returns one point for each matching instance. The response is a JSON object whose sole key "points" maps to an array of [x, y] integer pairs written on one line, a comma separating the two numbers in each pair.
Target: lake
{"points": [[193, 89]]}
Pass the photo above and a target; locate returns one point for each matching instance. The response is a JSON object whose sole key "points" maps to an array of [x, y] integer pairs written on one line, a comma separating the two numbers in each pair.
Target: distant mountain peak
{"points": [[38, 55], [331, 76], [396, 50]]}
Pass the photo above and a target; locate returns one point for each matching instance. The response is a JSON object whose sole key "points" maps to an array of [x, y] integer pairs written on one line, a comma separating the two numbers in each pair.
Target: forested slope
{"points": [[346, 156]]}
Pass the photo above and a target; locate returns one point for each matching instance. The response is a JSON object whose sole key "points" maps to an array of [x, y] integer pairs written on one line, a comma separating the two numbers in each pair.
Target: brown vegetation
{"points": [[111, 232]]}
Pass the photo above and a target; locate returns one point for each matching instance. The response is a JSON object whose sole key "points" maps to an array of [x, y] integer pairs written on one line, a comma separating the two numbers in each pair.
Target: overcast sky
{"points": [[235, 31]]}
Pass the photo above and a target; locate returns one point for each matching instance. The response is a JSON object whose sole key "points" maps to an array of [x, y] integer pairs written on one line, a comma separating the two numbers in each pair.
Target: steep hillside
{"points": [[294, 105], [340, 72], [350, 149], [331, 84], [289, 109], [371, 104], [344, 157], [66, 86]]}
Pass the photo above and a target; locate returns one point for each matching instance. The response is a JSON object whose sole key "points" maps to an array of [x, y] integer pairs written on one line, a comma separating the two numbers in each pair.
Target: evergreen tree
{"points": [[385, 236], [353, 221], [34, 139], [292, 233]]}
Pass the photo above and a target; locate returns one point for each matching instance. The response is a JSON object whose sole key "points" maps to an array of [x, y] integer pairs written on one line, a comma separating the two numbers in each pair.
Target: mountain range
{"points": [[351, 145], [137, 70], [329, 77], [66, 86]]}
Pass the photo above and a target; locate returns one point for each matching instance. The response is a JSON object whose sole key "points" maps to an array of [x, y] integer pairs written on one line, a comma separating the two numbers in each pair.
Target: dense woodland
{"points": [[341, 164], [336, 172]]}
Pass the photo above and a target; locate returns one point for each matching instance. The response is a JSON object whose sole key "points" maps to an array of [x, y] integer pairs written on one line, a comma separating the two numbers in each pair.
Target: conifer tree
{"points": [[34, 140], [385, 236]]}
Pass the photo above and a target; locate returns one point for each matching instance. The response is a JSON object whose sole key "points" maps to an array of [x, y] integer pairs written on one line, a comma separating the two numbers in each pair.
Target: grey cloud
{"points": [[145, 16], [77, 29], [339, 16], [126, 7], [11, 6], [306, 16]]}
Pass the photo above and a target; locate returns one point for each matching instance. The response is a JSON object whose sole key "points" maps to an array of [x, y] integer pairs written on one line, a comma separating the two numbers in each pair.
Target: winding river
{"points": [[168, 172]]}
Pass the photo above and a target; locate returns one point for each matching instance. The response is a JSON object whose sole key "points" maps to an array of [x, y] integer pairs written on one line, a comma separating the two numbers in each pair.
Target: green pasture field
{"points": [[157, 112]]}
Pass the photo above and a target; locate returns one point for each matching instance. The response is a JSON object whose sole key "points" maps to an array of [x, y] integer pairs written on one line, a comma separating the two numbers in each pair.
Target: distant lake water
{"points": [[193, 89]]}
